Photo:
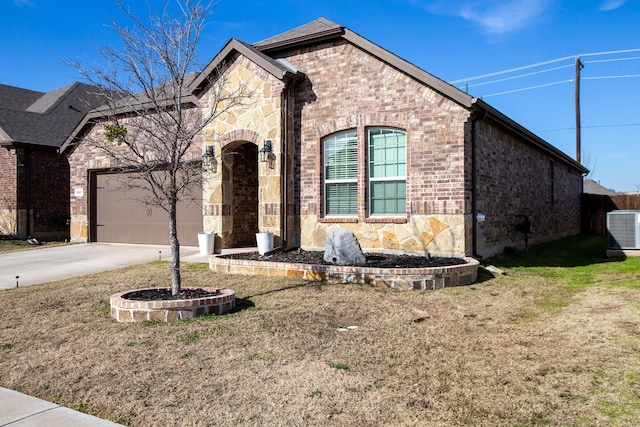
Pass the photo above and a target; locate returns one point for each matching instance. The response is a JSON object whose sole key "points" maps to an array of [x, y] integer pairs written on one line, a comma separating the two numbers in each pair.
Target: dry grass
{"points": [[543, 345], [11, 244]]}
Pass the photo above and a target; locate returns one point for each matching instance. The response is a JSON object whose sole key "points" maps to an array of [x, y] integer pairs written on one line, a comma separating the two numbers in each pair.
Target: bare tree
{"points": [[152, 119]]}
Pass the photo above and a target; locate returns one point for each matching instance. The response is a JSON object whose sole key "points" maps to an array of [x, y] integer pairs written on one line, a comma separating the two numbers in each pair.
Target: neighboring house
{"points": [[592, 187], [363, 140], [34, 177]]}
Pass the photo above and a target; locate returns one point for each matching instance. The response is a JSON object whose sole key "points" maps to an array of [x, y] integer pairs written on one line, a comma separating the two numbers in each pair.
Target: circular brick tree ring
{"points": [[128, 310]]}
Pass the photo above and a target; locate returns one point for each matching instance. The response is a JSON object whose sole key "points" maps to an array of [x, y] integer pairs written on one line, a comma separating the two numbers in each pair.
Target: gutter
{"points": [[284, 172], [475, 117], [517, 129]]}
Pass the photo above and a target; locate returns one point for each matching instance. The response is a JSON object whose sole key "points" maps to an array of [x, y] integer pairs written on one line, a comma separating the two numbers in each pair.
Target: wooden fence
{"points": [[595, 208]]}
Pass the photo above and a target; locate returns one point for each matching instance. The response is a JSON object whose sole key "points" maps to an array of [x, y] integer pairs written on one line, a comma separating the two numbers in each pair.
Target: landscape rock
{"points": [[342, 248]]}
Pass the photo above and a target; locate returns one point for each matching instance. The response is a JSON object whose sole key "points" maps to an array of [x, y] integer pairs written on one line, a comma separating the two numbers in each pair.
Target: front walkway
{"points": [[20, 410]]}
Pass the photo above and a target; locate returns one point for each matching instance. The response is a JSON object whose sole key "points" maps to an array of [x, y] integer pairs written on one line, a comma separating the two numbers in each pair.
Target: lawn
{"points": [[12, 244], [554, 342]]}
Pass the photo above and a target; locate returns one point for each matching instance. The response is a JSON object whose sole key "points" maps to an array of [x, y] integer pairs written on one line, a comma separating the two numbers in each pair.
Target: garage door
{"points": [[121, 218]]}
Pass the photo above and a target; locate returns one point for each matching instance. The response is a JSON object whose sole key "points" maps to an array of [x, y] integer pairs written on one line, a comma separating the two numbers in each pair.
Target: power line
{"points": [[497, 73], [550, 84], [520, 76], [611, 77], [555, 130], [589, 127], [630, 58], [528, 88], [612, 52], [613, 126], [539, 64]]}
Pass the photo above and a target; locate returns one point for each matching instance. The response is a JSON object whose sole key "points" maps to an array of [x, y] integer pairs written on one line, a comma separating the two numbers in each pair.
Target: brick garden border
{"points": [[395, 278], [126, 310]]}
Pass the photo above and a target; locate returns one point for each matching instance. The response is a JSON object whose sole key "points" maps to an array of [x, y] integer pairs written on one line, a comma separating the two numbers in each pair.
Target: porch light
{"points": [[265, 151], [209, 161]]}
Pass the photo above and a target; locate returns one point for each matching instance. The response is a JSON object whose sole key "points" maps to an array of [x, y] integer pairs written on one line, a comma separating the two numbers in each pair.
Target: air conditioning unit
{"points": [[623, 230]]}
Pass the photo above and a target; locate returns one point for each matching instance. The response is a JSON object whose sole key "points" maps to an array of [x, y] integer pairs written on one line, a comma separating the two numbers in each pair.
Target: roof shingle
{"points": [[311, 30], [44, 119]]}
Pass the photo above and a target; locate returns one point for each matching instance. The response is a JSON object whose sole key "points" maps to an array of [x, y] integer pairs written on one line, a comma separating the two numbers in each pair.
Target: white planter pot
{"points": [[205, 242], [265, 242]]}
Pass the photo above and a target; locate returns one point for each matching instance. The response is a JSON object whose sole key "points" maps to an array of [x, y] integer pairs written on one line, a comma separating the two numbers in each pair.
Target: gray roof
{"points": [[43, 119], [16, 98], [592, 187], [310, 31]]}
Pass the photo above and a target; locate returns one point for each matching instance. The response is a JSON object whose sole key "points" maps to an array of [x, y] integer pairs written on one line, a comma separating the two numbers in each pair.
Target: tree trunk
{"points": [[175, 249]]}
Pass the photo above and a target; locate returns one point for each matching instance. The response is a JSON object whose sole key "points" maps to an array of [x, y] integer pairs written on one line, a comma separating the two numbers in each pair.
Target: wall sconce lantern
{"points": [[209, 161], [265, 150], [266, 153]]}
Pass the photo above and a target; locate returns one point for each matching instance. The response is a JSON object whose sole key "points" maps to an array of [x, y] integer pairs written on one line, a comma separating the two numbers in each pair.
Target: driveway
{"points": [[62, 262]]}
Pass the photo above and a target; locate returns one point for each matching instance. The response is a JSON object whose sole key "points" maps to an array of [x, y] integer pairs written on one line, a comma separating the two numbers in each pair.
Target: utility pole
{"points": [[579, 66]]}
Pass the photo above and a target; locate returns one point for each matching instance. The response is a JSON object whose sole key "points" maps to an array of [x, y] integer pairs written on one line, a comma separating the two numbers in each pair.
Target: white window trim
{"points": [[369, 198]]}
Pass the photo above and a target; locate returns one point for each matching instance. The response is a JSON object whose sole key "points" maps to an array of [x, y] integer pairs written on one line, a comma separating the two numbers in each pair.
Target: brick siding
{"points": [[350, 89], [40, 184], [516, 178], [245, 196]]}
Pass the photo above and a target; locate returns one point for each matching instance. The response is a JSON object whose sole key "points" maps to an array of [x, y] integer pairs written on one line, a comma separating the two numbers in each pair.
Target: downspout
{"points": [[474, 182], [284, 212], [283, 175], [27, 178]]}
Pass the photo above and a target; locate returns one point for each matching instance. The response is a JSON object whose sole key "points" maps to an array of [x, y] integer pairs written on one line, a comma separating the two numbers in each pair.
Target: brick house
{"points": [[364, 140], [34, 177]]}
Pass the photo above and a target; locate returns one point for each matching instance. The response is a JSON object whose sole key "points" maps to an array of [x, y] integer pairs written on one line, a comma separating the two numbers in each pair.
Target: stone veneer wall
{"points": [[348, 89], [8, 190], [261, 119]]}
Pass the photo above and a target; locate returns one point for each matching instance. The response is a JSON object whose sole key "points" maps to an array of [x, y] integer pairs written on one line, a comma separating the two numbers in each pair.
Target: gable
{"points": [[322, 30], [260, 113]]}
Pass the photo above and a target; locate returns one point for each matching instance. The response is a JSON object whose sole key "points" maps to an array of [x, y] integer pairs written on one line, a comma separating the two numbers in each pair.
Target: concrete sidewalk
{"points": [[41, 265], [20, 410]]}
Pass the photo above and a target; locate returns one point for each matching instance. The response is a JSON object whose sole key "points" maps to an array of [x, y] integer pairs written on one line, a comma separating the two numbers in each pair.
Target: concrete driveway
{"points": [[62, 262]]}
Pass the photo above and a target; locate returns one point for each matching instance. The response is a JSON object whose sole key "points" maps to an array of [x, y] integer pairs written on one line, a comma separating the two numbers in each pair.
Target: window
{"points": [[341, 174], [387, 172]]}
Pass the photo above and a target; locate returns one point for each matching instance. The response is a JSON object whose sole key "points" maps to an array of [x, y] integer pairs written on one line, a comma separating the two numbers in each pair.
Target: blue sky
{"points": [[452, 39]]}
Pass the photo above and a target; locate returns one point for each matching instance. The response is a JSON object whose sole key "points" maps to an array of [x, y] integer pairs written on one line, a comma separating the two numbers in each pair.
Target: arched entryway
{"points": [[240, 185]]}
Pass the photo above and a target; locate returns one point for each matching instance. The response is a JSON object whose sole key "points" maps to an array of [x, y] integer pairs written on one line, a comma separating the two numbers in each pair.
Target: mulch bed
{"points": [[165, 294], [299, 257], [378, 260]]}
